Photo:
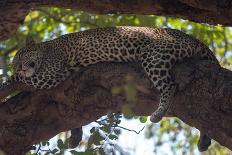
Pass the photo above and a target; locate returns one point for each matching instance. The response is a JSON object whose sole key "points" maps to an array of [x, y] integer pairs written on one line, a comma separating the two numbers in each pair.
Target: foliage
{"points": [[48, 23]]}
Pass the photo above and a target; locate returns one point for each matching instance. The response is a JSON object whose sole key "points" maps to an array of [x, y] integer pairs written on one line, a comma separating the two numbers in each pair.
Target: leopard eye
{"points": [[19, 67], [32, 64]]}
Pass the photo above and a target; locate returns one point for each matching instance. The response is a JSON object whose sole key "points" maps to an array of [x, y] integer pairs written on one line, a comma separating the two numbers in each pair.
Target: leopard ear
{"points": [[30, 41]]}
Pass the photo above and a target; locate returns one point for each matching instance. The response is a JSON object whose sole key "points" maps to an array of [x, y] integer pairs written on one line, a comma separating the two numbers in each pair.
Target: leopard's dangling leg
{"points": [[166, 97], [157, 64], [204, 142]]}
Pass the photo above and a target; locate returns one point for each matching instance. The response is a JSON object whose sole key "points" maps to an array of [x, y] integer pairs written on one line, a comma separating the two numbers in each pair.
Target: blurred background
{"points": [[119, 134]]}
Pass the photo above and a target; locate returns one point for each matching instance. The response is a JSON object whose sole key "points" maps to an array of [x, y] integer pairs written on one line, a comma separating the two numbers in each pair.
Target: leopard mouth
{"points": [[27, 73]]}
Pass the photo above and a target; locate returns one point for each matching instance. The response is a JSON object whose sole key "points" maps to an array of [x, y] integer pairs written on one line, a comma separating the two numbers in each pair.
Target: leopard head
{"points": [[28, 60]]}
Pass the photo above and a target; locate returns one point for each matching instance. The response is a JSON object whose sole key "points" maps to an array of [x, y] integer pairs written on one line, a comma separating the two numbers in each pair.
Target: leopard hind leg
{"points": [[204, 142]]}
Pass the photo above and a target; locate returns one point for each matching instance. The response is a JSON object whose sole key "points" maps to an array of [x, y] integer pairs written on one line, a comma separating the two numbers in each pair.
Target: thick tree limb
{"points": [[13, 12], [203, 101]]}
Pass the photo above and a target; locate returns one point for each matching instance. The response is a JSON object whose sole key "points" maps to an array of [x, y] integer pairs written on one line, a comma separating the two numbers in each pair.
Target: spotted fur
{"points": [[47, 64]]}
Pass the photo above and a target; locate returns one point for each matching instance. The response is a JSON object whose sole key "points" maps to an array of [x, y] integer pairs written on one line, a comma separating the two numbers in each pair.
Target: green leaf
{"points": [[101, 151], [113, 137], [44, 143], [97, 138], [117, 131], [92, 130], [74, 152], [143, 119], [60, 144], [55, 151]]}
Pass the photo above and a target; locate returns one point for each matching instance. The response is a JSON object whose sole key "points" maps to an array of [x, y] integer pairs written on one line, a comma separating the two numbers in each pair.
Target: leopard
{"points": [[45, 65]]}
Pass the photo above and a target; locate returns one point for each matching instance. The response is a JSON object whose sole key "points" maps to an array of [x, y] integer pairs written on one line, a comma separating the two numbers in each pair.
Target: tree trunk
{"points": [[13, 12], [203, 100]]}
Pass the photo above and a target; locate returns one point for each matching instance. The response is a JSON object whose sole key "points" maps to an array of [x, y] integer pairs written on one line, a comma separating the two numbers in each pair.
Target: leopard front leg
{"points": [[157, 65], [166, 97]]}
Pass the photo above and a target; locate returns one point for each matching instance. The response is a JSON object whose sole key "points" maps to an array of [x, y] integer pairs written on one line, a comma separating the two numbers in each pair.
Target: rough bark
{"points": [[13, 12], [203, 100]]}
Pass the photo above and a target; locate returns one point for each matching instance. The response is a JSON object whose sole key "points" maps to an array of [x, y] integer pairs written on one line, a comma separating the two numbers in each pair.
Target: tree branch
{"points": [[13, 12], [203, 101]]}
